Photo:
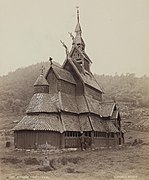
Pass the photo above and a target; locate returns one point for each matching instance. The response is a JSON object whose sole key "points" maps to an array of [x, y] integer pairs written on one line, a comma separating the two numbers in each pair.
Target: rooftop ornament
{"points": [[50, 59]]}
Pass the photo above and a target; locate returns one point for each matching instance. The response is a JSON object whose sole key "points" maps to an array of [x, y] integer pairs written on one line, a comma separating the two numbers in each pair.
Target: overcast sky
{"points": [[116, 33]]}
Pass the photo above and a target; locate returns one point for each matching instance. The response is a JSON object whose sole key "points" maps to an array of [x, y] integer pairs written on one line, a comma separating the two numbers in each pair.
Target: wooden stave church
{"points": [[67, 101]]}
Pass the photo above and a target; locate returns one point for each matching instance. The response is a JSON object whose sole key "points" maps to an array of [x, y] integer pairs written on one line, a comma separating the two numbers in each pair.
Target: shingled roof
{"points": [[68, 103], [71, 122], [104, 109], [101, 125], [97, 124], [40, 122], [85, 123], [41, 102]]}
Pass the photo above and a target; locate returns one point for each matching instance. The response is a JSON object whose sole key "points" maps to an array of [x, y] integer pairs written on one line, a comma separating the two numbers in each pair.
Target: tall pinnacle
{"points": [[78, 38], [78, 27]]}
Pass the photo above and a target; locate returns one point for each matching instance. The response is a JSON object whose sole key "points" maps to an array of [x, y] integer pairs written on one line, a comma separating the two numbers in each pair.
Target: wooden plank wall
{"points": [[29, 139]]}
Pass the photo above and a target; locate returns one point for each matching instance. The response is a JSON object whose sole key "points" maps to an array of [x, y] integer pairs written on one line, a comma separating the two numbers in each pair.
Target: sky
{"points": [[116, 33]]}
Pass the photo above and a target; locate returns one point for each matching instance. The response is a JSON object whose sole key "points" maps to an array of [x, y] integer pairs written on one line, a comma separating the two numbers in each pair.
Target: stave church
{"points": [[67, 102]]}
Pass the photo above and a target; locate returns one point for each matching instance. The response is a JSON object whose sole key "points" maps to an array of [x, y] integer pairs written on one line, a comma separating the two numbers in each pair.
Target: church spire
{"points": [[78, 27], [78, 38]]}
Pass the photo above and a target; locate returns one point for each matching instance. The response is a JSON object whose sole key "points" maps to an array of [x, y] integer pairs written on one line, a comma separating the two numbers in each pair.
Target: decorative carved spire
{"points": [[71, 35]]}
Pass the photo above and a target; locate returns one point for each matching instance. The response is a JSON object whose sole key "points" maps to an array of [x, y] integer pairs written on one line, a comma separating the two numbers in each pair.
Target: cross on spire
{"points": [[42, 70]]}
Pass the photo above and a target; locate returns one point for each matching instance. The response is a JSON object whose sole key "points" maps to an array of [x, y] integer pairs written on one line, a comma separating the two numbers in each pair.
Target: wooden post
{"points": [[115, 139], [92, 139], [62, 142]]}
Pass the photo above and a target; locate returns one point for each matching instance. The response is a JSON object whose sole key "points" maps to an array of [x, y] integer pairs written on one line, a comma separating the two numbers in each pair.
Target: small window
{"points": [[112, 135]]}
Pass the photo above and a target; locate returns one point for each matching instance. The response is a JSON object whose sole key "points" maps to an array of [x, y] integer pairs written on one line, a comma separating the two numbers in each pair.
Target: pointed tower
{"points": [[41, 85], [78, 49], [78, 38]]}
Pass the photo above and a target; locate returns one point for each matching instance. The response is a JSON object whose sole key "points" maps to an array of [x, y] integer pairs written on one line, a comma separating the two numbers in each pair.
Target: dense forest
{"points": [[16, 88]]}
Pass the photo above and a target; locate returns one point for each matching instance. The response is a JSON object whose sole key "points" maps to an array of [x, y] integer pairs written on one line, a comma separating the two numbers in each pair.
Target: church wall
{"points": [[52, 80], [66, 87], [93, 92]]}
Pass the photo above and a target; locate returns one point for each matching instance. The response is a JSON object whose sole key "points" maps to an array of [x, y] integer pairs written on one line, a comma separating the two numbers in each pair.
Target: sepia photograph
{"points": [[74, 89]]}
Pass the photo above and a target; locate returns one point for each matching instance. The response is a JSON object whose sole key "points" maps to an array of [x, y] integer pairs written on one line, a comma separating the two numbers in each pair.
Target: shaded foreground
{"points": [[129, 162]]}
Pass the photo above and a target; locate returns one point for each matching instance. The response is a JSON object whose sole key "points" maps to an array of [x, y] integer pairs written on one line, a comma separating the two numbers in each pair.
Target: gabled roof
{"points": [[41, 81], [40, 122], [107, 108], [41, 102], [61, 73], [101, 125]]}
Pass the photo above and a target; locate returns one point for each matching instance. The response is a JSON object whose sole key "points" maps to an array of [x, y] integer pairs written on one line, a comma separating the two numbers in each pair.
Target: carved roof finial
{"points": [[50, 59], [71, 35], [64, 45]]}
